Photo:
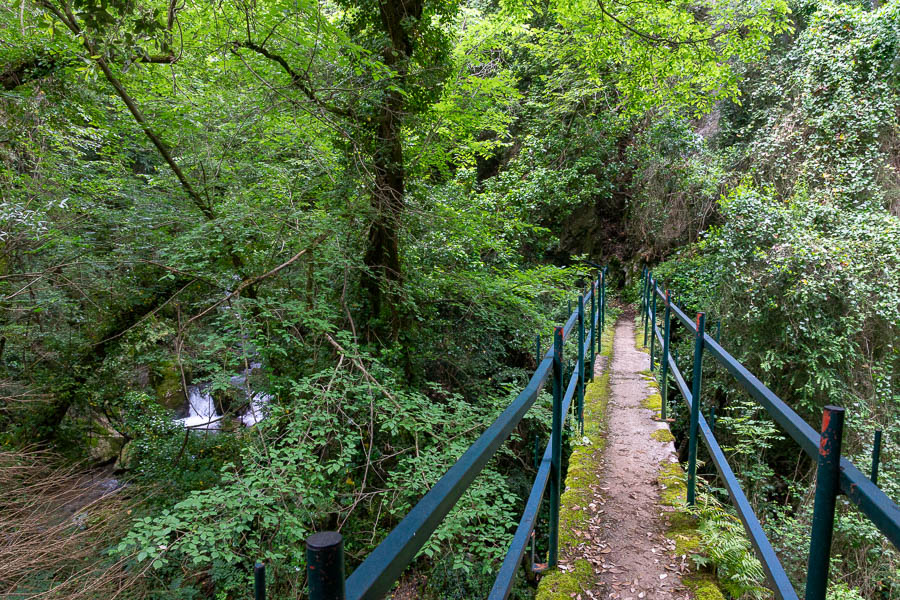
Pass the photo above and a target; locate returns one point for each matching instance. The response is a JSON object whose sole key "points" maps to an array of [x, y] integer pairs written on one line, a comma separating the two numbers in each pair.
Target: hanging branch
{"points": [[656, 39], [254, 280], [68, 19], [298, 80]]}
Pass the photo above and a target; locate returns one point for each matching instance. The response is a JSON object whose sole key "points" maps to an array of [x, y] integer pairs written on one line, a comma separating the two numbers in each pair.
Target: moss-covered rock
{"points": [[652, 402], [562, 585], [106, 448], [126, 455], [168, 386], [704, 586]]}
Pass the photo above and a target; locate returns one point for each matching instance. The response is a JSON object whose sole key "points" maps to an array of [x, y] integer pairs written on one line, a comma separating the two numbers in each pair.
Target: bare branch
{"points": [[298, 80], [254, 280]]}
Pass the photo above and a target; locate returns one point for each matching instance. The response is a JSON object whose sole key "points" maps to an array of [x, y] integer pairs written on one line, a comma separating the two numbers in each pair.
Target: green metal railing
{"points": [[380, 570], [834, 475]]}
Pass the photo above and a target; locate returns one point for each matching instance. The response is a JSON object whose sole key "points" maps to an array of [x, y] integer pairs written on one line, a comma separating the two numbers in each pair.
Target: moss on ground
{"points": [[682, 526], [704, 586], [558, 585], [682, 529], [652, 402], [663, 435], [583, 470], [639, 336]]}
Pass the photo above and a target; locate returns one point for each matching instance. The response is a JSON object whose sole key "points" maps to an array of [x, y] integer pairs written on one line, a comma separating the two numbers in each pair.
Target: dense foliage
{"points": [[370, 209], [803, 266]]}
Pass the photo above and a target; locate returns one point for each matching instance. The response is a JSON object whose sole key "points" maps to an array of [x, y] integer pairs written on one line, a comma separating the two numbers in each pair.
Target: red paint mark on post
{"points": [[823, 441]]}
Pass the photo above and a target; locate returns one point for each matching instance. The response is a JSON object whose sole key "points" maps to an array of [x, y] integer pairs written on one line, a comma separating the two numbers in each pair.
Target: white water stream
{"points": [[202, 412]]}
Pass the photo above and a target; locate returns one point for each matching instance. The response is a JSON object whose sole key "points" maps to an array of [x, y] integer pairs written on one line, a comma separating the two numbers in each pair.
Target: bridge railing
{"points": [[835, 475], [377, 574]]}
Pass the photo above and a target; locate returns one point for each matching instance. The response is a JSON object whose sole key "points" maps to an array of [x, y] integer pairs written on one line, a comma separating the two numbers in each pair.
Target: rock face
{"points": [[125, 457], [168, 387], [106, 443]]}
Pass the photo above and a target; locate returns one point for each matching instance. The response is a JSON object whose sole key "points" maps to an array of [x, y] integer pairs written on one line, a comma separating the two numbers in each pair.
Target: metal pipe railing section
{"points": [[775, 572], [378, 572], [507, 574], [376, 575], [867, 496], [835, 474]]}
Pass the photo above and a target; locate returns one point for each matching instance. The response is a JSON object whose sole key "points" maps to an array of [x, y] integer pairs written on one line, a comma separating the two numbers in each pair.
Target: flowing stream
{"points": [[203, 414]]}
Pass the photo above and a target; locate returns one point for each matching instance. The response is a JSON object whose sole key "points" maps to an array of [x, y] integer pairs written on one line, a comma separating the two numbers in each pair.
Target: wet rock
{"points": [[168, 386]]}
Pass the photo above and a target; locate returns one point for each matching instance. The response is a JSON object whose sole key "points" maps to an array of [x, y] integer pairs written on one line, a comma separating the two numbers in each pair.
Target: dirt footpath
{"points": [[621, 542], [638, 563]]}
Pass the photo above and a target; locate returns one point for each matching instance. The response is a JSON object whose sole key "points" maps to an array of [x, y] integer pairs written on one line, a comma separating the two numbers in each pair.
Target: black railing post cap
{"points": [[324, 540]]}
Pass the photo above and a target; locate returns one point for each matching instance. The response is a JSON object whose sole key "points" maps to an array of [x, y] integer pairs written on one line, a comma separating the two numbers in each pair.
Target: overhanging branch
{"points": [[301, 81]]}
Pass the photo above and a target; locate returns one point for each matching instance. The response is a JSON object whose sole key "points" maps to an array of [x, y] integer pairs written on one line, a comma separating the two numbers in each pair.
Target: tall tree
{"points": [[384, 62]]}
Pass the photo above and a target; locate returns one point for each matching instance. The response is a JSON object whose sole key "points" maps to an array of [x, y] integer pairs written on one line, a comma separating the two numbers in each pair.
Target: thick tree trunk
{"points": [[384, 276], [385, 273]]}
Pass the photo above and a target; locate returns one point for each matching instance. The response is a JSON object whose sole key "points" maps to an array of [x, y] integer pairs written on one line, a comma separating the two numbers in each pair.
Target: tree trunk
{"points": [[384, 277], [385, 274]]}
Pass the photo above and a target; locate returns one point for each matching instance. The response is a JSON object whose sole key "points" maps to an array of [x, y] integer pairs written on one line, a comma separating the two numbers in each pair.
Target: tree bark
{"points": [[384, 274], [383, 278]]}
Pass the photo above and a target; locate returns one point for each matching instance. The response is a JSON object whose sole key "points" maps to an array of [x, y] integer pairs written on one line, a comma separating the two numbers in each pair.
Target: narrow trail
{"points": [[633, 520], [632, 558]]}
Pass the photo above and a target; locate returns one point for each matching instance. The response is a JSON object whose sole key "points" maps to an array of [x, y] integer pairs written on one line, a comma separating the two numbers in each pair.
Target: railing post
{"points": [[537, 350], [602, 318], [591, 356], [876, 457], [695, 409], [664, 375], [653, 325], [580, 363], [643, 286], [259, 581], [712, 419], [828, 485], [556, 447], [603, 298], [646, 312], [325, 566]]}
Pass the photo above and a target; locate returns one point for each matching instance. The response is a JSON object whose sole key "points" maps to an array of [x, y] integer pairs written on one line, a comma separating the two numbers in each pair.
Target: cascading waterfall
{"points": [[256, 401], [203, 414]]}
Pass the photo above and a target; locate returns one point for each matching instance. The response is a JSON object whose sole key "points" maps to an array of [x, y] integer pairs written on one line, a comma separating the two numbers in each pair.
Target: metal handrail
{"points": [[506, 576], [835, 474], [383, 566]]}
